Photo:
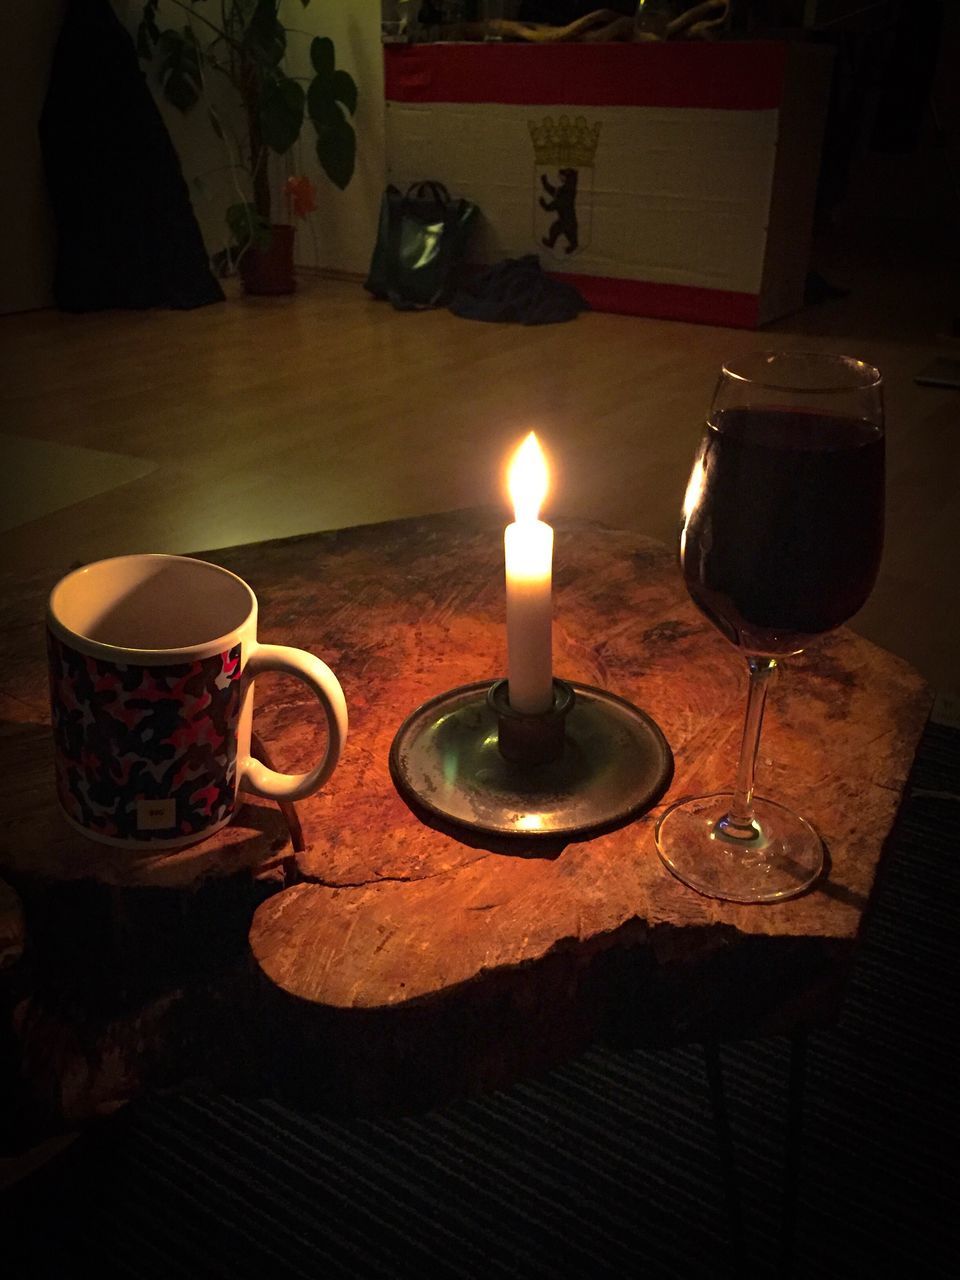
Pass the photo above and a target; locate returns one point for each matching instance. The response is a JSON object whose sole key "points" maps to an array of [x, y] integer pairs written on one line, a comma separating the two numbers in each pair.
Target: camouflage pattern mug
{"points": [[152, 666]]}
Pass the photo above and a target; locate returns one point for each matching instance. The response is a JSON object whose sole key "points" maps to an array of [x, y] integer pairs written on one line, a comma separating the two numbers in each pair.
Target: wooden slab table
{"points": [[388, 964]]}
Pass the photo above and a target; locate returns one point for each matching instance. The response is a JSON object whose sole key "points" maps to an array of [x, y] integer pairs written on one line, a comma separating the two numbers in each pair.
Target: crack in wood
{"points": [[366, 884]]}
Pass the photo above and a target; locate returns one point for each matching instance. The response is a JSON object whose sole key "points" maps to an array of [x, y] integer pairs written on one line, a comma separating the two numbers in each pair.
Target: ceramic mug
{"points": [[152, 666]]}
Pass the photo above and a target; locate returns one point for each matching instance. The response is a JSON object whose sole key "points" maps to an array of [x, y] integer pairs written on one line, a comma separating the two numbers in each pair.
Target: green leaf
{"points": [[336, 140], [180, 74], [325, 112], [322, 106], [265, 39], [323, 56], [247, 227], [345, 90], [148, 33], [281, 113], [337, 151]]}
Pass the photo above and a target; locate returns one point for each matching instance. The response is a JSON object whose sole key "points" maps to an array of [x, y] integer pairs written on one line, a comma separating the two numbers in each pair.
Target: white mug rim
{"points": [[127, 655]]}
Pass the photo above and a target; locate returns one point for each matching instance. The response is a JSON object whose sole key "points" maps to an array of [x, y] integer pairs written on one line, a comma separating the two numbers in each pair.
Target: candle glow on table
{"points": [[528, 553]]}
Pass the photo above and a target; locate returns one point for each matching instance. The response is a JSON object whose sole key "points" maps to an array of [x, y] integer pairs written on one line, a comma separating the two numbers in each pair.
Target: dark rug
{"points": [[607, 1167]]}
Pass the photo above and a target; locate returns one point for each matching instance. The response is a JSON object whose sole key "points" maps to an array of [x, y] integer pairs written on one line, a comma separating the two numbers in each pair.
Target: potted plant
{"points": [[244, 42]]}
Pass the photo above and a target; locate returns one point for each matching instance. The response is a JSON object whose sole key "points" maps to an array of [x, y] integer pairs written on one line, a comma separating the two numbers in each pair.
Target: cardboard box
{"points": [[672, 180]]}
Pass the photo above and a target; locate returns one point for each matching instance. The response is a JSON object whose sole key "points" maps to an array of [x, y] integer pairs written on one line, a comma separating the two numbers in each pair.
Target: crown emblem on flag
{"points": [[564, 142]]}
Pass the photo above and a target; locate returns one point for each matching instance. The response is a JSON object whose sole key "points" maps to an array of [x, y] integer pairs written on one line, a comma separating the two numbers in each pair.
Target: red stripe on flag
{"points": [[668, 301], [723, 76]]}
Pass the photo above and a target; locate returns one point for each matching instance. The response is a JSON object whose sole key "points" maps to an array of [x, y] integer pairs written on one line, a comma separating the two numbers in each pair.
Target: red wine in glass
{"points": [[781, 541]]}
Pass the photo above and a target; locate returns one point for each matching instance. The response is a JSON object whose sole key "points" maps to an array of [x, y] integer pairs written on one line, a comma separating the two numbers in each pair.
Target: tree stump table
{"points": [[401, 964]]}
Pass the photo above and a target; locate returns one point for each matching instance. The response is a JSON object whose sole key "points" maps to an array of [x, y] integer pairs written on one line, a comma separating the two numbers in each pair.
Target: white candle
{"points": [[528, 553]]}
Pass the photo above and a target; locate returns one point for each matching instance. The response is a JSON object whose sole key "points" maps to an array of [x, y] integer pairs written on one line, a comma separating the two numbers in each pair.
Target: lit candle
{"points": [[528, 550]]}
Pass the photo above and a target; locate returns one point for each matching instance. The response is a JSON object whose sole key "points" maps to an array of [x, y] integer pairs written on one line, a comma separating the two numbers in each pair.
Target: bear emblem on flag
{"points": [[564, 151]]}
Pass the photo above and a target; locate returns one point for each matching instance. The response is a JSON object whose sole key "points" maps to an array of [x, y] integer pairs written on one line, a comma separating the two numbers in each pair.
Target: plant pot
{"points": [[270, 270]]}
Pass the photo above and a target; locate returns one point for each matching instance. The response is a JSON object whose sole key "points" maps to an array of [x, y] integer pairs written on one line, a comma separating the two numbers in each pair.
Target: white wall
{"points": [[346, 221]]}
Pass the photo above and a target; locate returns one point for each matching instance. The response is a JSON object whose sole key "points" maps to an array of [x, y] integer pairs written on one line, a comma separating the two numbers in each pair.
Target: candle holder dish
{"points": [[592, 762]]}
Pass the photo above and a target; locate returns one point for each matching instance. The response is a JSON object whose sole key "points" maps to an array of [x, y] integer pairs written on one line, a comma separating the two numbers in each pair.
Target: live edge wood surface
{"points": [[390, 964]]}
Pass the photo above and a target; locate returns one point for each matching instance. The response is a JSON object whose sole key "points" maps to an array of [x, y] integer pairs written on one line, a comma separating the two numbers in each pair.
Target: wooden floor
{"points": [[269, 417]]}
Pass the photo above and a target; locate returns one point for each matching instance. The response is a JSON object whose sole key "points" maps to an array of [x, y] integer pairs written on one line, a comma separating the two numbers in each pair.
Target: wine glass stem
{"points": [[739, 823]]}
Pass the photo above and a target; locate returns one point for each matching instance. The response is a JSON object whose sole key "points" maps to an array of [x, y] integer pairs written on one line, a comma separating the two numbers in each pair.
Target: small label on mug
{"points": [[156, 815]]}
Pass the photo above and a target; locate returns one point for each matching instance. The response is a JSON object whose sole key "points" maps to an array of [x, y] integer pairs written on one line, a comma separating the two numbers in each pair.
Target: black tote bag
{"points": [[422, 236]]}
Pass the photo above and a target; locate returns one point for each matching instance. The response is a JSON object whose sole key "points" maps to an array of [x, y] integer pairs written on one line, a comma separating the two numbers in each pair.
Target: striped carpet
{"points": [[607, 1167]]}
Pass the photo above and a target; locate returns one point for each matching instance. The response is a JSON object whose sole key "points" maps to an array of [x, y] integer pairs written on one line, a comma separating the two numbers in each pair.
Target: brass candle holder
{"points": [[590, 763]]}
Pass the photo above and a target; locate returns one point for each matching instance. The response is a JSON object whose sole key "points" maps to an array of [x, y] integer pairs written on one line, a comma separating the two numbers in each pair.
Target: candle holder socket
{"points": [[592, 762], [530, 739]]}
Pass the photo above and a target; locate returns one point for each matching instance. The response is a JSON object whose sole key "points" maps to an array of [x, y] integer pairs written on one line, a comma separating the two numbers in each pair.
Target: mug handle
{"points": [[255, 777]]}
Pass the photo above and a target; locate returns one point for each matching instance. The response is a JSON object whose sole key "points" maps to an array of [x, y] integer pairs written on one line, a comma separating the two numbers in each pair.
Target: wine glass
{"points": [[780, 542]]}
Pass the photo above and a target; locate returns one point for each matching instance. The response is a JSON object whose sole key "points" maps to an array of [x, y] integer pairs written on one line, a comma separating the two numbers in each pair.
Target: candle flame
{"points": [[527, 479]]}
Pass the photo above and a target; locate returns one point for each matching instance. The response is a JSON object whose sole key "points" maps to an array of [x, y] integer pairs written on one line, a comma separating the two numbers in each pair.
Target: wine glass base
{"points": [[783, 857]]}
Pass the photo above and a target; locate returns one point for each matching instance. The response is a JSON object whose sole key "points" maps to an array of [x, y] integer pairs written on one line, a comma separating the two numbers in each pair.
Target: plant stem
{"points": [[739, 824], [194, 13], [259, 170]]}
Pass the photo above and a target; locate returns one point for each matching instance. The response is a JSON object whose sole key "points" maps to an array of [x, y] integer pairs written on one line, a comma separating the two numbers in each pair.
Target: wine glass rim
{"points": [[862, 376]]}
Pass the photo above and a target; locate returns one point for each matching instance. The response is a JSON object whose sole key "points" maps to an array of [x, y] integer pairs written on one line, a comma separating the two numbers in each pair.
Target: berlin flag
{"points": [[673, 180]]}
